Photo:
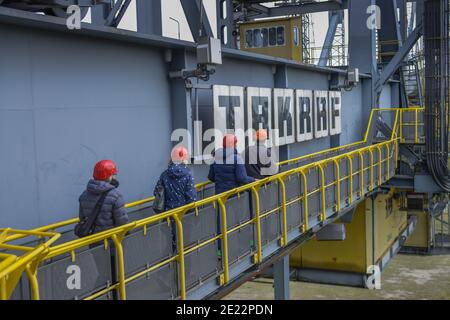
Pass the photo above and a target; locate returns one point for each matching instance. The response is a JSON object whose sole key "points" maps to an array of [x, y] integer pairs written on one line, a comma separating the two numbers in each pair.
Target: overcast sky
{"points": [[173, 9]]}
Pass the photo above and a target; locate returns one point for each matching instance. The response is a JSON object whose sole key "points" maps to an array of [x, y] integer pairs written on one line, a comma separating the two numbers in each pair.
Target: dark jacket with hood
{"points": [[112, 213], [259, 161], [228, 170], [179, 187]]}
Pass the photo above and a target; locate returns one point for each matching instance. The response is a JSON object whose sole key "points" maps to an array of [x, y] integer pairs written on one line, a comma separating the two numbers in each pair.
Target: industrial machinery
{"points": [[362, 147], [275, 37]]}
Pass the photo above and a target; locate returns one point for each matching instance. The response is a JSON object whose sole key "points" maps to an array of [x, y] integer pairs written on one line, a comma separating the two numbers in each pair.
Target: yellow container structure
{"points": [[275, 37], [380, 223]]}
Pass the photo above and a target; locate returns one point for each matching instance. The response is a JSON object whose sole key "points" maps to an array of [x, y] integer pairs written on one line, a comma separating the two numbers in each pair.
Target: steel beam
{"points": [[398, 58], [225, 23], [281, 278], [335, 19], [149, 15], [116, 14], [197, 19], [308, 8], [389, 35], [362, 51]]}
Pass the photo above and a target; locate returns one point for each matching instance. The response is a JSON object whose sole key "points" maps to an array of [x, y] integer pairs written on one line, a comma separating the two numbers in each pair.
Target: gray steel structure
{"points": [[71, 97], [55, 100]]}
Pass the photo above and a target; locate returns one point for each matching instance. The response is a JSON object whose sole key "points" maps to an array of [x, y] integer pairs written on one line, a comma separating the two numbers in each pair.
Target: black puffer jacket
{"points": [[112, 213]]}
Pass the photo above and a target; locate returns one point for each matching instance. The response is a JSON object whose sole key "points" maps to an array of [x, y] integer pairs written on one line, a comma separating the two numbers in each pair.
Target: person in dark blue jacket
{"points": [[228, 170], [178, 182]]}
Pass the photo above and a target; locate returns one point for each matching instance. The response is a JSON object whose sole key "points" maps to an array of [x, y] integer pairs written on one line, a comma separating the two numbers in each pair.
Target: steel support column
{"points": [[281, 81], [149, 16], [362, 49], [225, 23], [197, 19], [181, 107], [388, 35], [398, 58], [281, 278]]}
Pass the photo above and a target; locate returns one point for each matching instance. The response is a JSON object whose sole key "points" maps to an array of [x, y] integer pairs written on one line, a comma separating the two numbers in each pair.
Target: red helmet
{"points": [[229, 141], [179, 154], [261, 135], [104, 170]]}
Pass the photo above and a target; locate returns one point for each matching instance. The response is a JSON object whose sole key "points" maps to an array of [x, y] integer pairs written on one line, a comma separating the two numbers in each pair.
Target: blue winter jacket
{"points": [[228, 170], [112, 213], [179, 188]]}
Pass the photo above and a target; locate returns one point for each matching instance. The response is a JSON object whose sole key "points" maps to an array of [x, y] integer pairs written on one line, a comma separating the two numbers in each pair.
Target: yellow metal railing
{"points": [[32, 259], [12, 266], [416, 124]]}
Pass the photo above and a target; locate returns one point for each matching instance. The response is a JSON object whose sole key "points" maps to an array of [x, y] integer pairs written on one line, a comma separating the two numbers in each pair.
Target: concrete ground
{"points": [[406, 277]]}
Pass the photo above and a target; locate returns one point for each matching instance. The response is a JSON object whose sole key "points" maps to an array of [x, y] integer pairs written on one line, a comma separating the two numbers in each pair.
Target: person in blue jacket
{"points": [[178, 182], [228, 170]]}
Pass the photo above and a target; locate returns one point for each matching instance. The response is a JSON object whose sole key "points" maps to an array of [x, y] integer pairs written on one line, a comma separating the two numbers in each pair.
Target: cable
{"points": [[437, 73]]}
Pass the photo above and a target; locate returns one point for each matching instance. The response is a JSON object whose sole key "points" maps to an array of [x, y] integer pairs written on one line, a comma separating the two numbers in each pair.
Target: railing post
{"points": [[350, 162], [258, 257], [180, 244], [380, 165], [371, 169], [361, 173], [338, 185], [323, 216], [388, 159], [120, 267], [283, 210], [305, 201], [224, 231], [3, 295], [34, 283]]}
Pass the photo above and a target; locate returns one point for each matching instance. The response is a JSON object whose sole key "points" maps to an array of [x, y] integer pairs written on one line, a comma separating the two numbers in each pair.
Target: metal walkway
{"points": [[206, 248]]}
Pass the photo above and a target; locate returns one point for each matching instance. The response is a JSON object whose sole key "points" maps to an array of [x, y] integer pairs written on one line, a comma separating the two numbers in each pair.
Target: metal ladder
{"points": [[412, 83]]}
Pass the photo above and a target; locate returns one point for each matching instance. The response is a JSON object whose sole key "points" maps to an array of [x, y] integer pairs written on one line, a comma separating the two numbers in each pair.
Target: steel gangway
{"points": [[207, 248]]}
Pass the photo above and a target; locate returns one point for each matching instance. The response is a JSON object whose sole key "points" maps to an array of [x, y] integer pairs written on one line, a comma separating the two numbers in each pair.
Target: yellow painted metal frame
{"points": [[33, 257]]}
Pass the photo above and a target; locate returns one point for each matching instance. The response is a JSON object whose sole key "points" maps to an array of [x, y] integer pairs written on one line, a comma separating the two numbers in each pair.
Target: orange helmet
{"points": [[104, 170], [229, 141], [179, 154], [261, 135]]}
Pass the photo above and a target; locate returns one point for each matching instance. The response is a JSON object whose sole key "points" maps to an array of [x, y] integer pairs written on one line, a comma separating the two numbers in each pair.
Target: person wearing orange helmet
{"points": [[177, 182], [102, 205], [228, 170], [259, 161]]}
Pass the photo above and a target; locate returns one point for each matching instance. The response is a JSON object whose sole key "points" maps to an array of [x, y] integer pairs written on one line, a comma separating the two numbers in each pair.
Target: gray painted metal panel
{"points": [[160, 284], [238, 209], [241, 243], [202, 264], [294, 215], [270, 227], [22, 290], [141, 251], [269, 197], [95, 267], [201, 227], [294, 187], [53, 84]]}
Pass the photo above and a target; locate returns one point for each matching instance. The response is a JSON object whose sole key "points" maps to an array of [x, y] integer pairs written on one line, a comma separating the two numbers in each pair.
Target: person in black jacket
{"points": [[228, 170], [259, 161]]}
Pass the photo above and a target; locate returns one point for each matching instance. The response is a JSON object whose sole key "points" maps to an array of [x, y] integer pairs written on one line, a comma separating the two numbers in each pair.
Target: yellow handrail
{"points": [[46, 251]]}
